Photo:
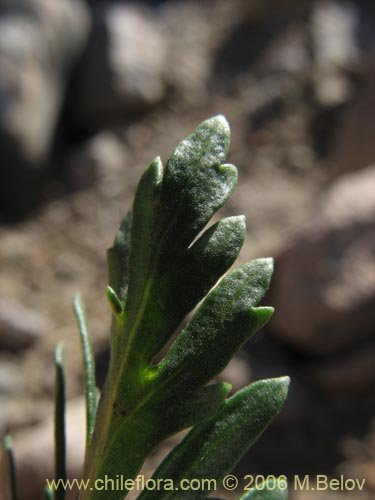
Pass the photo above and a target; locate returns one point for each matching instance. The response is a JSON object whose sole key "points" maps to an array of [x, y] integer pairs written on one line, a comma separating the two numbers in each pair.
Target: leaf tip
{"points": [[77, 298], [233, 222], [263, 315], [8, 442], [218, 128], [231, 173], [114, 301], [59, 353], [238, 223], [284, 381], [268, 263], [281, 387], [240, 218], [220, 123], [226, 387], [157, 165]]}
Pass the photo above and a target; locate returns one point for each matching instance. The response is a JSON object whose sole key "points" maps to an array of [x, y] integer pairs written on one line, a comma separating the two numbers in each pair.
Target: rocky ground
{"points": [[90, 92]]}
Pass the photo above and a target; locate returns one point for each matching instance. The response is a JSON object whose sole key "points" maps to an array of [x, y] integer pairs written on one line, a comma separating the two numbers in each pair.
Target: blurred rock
{"points": [[334, 27], [101, 158], [20, 412], [360, 458], [39, 42], [351, 373], [190, 46], [359, 463], [343, 37], [20, 327], [123, 70], [289, 52], [353, 145], [34, 452], [10, 377], [323, 288], [268, 102]]}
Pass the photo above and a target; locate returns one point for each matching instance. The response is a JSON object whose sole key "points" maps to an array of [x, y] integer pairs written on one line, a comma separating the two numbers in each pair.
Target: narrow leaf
{"points": [[166, 219], [143, 231], [118, 258], [207, 191], [60, 451], [213, 448], [48, 494], [196, 183], [186, 279], [114, 301], [183, 409], [88, 366], [224, 321], [206, 146], [8, 445], [269, 490], [118, 271]]}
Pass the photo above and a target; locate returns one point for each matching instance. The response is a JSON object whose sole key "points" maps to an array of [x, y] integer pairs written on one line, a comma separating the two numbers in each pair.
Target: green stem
{"points": [[60, 449], [48, 494], [88, 366], [8, 445]]}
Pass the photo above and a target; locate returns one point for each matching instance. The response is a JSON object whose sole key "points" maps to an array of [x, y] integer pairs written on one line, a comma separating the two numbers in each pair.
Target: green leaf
{"points": [[8, 446], [160, 258], [208, 145], [162, 264], [208, 189], [114, 301], [269, 490], [152, 422], [88, 366], [48, 494], [118, 259], [196, 183], [144, 226], [204, 262], [60, 451], [168, 213], [224, 321], [211, 450], [118, 271], [186, 279], [183, 409]]}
